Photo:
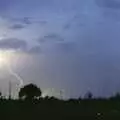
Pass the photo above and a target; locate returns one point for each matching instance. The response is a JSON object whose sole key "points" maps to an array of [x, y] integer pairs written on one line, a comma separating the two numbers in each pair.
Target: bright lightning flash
{"points": [[5, 60]]}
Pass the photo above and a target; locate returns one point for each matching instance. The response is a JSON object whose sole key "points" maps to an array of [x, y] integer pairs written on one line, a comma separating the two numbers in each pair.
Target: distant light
{"points": [[99, 114]]}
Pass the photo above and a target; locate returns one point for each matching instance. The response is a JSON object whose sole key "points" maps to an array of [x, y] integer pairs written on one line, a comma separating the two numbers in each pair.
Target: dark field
{"points": [[54, 109]]}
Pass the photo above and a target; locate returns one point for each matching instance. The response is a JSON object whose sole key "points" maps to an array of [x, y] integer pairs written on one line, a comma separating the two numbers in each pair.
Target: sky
{"points": [[68, 45]]}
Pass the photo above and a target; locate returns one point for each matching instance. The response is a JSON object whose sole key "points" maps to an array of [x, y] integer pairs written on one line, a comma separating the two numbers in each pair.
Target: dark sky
{"points": [[69, 45]]}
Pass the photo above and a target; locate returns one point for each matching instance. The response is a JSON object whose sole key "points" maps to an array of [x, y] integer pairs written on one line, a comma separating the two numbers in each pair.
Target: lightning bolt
{"points": [[18, 77]]}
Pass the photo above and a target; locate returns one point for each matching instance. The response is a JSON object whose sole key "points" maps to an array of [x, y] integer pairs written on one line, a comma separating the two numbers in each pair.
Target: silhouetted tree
{"points": [[0, 94], [88, 95], [116, 96], [30, 91]]}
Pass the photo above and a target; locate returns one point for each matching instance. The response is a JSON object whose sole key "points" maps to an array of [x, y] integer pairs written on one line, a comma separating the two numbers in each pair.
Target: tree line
{"points": [[32, 91]]}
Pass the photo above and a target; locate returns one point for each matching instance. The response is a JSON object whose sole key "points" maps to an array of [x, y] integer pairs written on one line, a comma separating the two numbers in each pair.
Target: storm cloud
{"points": [[13, 43], [16, 26], [53, 37], [114, 4], [35, 50], [74, 44]]}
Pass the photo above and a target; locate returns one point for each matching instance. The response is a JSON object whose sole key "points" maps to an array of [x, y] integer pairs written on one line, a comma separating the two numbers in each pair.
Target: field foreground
{"points": [[53, 109]]}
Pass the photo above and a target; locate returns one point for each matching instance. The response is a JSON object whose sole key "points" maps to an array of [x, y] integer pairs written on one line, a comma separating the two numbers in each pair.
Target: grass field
{"points": [[54, 109]]}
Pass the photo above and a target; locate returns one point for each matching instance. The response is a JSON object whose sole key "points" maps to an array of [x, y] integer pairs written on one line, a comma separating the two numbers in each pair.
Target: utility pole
{"points": [[10, 89], [61, 94]]}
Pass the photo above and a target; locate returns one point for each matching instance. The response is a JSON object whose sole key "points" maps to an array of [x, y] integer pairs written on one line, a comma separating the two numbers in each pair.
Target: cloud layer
{"points": [[74, 43], [13, 43]]}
